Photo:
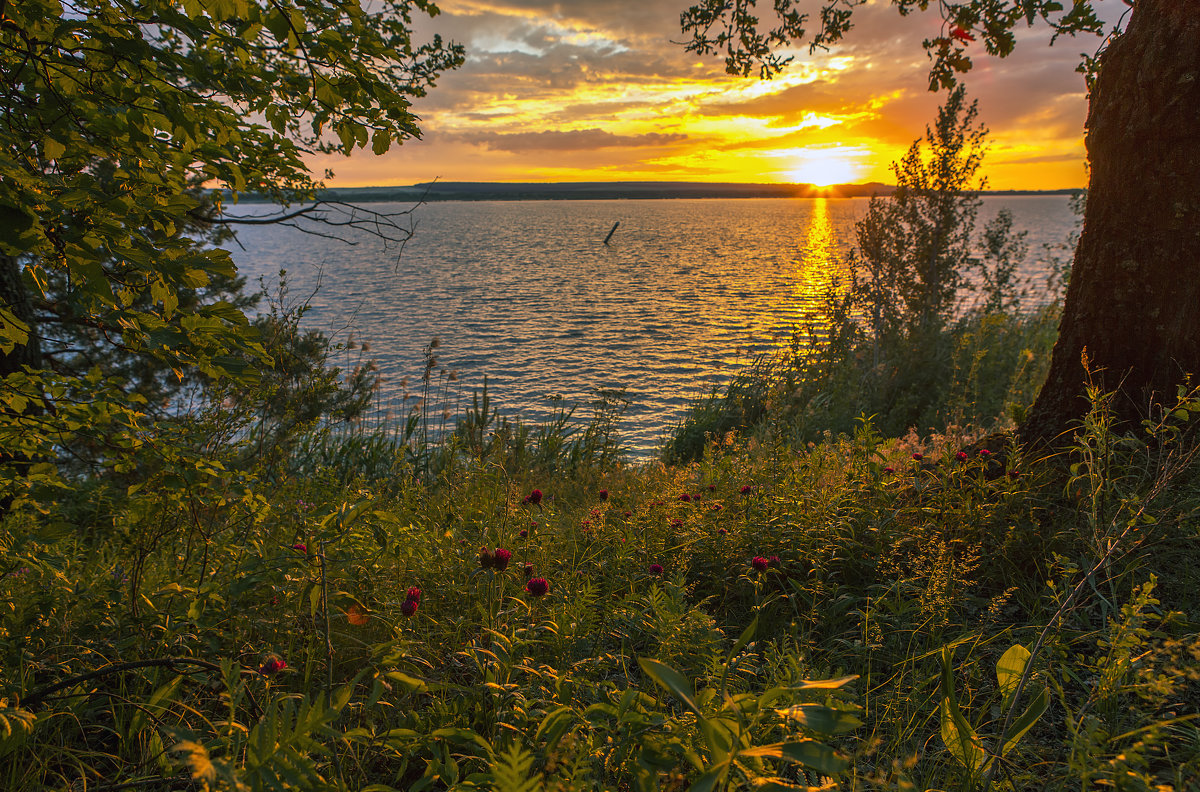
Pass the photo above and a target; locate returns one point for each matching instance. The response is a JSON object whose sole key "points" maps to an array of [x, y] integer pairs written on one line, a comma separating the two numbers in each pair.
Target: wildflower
{"points": [[685, 498], [303, 548], [414, 594], [961, 456], [357, 616], [759, 563], [603, 494], [983, 452], [889, 469], [712, 487], [746, 489], [534, 498], [524, 534], [917, 457], [714, 507], [485, 558], [271, 666], [696, 497], [538, 587], [500, 559], [655, 569], [528, 570], [676, 523], [773, 561], [961, 34], [409, 607], [721, 532]]}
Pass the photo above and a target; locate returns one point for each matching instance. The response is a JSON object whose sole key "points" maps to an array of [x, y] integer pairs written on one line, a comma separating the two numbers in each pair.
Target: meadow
{"points": [[859, 613]]}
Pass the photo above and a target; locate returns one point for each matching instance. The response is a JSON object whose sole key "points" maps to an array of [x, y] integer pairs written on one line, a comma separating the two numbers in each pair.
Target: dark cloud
{"points": [[573, 140]]}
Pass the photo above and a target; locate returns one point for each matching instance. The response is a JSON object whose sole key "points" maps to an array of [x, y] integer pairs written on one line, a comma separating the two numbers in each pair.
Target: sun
{"points": [[824, 169]]}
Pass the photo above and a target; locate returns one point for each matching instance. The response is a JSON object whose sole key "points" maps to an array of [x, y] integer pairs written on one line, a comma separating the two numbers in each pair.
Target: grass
{"points": [[251, 631]]}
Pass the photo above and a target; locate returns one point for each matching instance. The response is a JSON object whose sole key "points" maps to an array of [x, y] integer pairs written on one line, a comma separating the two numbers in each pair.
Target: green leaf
{"points": [[809, 753], [1009, 669], [53, 149], [671, 680], [961, 740], [1035, 710], [821, 719]]}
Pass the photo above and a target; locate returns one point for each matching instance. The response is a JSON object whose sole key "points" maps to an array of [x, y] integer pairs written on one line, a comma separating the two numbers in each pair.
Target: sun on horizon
{"points": [[823, 168]]}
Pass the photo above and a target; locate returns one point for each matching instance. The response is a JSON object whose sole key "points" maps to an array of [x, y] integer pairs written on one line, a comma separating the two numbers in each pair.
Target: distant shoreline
{"points": [[582, 191]]}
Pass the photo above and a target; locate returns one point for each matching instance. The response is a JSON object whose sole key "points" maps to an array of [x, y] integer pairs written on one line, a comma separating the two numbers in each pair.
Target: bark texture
{"points": [[1133, 304]]}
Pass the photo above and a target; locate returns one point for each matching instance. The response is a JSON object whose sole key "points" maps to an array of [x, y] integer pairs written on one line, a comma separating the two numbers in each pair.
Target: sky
{"points": [[600, 90]]}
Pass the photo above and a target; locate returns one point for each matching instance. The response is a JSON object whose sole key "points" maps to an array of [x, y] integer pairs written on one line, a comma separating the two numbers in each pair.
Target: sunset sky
{"points": [[595, 90]]}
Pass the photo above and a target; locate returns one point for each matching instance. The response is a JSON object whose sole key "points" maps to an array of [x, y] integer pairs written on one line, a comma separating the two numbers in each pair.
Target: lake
{"points": [[526, 293]]}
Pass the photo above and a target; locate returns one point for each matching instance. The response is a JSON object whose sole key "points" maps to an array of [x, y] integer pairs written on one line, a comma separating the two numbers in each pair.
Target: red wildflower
{"points": [[676, 523], [889, 470], [712, 487], [918, 456], [962, 34], [961, 456], [603, 494], [524, 534], [409, 607], [271, 666], [773, 561], [983, 452], [746, 489], [500, 559], [534, 497], [759, 563], [715, 507], [414, 594], [656, 569], [538, 587], [685, 498], [303, 548]]}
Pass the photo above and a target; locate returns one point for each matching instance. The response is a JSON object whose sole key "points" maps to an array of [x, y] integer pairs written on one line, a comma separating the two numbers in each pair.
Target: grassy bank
{"points": [[765, 617]]}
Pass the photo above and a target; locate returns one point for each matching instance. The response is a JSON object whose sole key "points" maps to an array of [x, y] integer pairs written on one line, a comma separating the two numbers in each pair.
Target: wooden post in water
{"points": [[612, 231]]}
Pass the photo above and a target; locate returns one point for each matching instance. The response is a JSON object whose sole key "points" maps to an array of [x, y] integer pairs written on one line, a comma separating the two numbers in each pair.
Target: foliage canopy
{"points": [[125, 128]]}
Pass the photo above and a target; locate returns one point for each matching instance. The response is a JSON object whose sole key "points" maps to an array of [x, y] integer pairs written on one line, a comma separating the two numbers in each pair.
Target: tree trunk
{"points": [[1133, 304]]}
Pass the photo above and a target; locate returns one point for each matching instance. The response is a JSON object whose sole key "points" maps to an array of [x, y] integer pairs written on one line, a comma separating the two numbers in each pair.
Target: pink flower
{"points": [[961, 456], [603, 494], [746, 489], [272, 666], [759, 563], [414, 594], [889, 470], [677, 523], [534, 497], [303, 548], [773, 561], [685, 498], [655, 569], [500, 559], [538, 587], [983, 452], [961, 34], [918, 456], [409, 607]]}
